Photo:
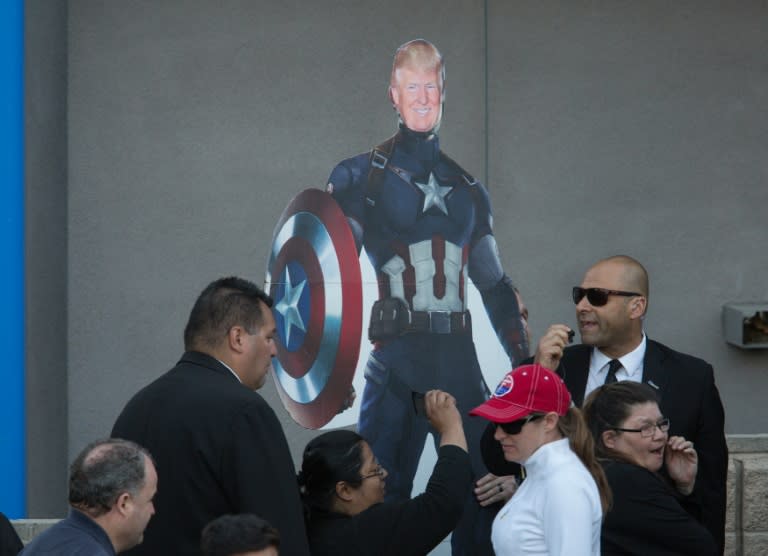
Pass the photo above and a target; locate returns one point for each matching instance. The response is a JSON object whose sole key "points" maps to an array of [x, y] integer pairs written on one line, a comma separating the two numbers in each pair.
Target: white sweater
{"points": [[556, 511]]}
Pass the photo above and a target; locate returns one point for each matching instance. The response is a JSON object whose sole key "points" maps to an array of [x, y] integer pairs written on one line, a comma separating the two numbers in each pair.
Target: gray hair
{"points": [[103, 471]]}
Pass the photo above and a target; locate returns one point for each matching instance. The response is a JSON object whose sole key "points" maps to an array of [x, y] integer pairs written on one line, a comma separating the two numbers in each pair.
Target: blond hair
{"points": [[418, 54]]}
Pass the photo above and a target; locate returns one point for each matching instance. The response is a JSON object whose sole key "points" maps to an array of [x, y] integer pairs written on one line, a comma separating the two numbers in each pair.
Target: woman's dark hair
{"points": [[329, 458], [609, 406]]}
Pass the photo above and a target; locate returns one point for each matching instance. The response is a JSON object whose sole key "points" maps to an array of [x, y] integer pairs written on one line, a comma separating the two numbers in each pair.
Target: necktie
{"points": [[613, 366]]}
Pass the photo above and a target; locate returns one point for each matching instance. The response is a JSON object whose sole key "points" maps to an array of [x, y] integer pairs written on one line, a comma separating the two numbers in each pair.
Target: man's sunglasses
{"points": [[598, 297], [516, 426]]}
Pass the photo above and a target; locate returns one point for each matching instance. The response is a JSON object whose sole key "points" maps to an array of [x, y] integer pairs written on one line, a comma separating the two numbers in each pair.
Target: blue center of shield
{"points": [[292, 306]]}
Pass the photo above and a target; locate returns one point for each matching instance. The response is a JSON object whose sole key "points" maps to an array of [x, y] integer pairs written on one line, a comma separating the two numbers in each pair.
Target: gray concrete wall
{"points": [[191, 126], [611, 127], [46, 255], [638, 128]]}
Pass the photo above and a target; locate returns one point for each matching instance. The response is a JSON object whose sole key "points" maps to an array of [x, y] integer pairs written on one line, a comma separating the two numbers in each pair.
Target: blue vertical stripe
{"points": [[12, 431]]}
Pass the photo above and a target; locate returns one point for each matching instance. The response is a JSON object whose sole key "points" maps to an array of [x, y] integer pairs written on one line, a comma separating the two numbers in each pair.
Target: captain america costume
{"points": [[426, 226]]}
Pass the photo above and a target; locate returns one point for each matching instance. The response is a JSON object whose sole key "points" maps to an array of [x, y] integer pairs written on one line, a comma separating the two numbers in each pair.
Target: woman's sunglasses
{"points": [[598, 297], [516, 426]]}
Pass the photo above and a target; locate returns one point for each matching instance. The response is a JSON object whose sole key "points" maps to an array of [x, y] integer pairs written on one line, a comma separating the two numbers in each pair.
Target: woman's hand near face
{"points": [[682, 462], [445, 418]]}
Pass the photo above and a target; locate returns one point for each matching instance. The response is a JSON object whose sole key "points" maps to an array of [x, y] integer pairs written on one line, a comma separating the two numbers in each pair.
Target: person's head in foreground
{"points": [[530, 408], [340, 474], [627, 424], [114, 482], [240, 535]]}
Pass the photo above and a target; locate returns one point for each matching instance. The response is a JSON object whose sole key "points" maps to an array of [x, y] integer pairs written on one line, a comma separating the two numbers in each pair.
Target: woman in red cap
{"points": [[559, 507]]}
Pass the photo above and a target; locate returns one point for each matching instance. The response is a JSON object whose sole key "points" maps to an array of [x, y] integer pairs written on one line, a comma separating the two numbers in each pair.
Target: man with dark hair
{"points": [[218, 445], [240, 535], [112, 484]]}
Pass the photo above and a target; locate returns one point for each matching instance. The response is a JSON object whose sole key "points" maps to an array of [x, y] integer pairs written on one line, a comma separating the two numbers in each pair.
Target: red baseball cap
{"points": [[525, 390]]}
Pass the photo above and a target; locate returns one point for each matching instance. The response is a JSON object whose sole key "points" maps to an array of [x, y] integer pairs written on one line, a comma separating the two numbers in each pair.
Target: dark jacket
{"points": [[77, 535], [647, 518], [219, 449], [10, 543]]}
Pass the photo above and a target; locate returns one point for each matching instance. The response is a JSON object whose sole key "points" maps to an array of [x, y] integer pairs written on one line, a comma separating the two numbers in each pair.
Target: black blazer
{"points": [[219, 449], [647, 518], [689, 398], [10, 544]]}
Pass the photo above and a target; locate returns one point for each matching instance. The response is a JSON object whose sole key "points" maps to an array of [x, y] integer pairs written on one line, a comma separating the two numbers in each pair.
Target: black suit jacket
{"points": [[648, 518], [10, 544], [219, 449], [689, 398]]}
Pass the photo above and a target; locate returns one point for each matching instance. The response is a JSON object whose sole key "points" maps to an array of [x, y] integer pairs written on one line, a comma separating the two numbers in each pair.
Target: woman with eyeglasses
{"points": [[343, 488], [648, 514], [558, 508]]}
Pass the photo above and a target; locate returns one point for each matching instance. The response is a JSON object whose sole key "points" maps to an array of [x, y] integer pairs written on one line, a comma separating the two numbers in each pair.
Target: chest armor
{"points": [[419, 225]]}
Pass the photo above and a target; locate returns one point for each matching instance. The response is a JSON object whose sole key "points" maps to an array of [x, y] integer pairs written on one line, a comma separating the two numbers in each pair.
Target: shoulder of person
{"points": [[681, 361], [349, 173], [576, 349], [448, 166], [624, 478]]}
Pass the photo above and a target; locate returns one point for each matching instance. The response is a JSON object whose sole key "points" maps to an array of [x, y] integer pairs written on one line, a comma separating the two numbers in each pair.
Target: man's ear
{"points": [[609, 439], [344, 491], [235, 338], [637, 306], [124, 503], [394, 95]]}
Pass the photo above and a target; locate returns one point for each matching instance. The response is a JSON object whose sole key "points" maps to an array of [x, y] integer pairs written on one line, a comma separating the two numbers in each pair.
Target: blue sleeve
{"points": [[496, 288], [346, 185]]}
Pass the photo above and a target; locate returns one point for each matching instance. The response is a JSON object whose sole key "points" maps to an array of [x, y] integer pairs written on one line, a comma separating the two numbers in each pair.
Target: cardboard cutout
{"points": [[425, 226]]}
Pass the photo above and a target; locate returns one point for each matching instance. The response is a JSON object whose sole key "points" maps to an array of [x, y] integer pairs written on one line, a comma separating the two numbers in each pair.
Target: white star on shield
{"points": [[288, 306]]}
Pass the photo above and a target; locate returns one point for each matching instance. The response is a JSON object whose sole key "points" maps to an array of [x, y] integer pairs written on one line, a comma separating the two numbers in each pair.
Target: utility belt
{"points": [[391, 317]]}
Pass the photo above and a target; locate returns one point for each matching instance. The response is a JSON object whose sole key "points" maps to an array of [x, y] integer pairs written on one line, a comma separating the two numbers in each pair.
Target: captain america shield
{"points": [[314, 277]]}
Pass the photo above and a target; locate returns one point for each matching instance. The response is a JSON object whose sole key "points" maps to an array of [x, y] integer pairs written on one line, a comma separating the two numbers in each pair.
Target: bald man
{"points": [[611, 304]]}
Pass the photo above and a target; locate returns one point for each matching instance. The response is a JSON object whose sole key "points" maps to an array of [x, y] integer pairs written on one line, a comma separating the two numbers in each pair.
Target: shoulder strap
{"points": [[380, 157], [468, 179]]}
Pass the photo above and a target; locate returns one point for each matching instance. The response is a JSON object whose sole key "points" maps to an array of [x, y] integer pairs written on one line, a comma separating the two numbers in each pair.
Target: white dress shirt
{"points": [[631, 367]]}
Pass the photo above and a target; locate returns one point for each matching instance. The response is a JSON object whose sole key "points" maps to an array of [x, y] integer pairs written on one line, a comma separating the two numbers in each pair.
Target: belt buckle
{"points": [[440, 322]]}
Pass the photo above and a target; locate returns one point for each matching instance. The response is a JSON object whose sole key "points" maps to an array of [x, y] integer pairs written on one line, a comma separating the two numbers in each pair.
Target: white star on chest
{"points": [[434, 194], [288, 306]]}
